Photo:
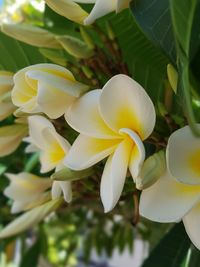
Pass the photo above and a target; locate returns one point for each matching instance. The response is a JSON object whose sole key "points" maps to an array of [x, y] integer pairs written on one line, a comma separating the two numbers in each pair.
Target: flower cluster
{"points": [[113, 123]]}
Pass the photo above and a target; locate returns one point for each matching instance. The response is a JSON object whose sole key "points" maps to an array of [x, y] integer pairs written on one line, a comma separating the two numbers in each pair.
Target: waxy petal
{"points": [[114, 175], [6, 82], [22, 92], [137, 155], [183, 156], [36, 125], [52, 101], [68, 9], [87, 151], [84, 117], [125, 104], [62, 187], [10, 138], [191, 222], [27, 190], [54, 149], [168, 200], [101, 8]]}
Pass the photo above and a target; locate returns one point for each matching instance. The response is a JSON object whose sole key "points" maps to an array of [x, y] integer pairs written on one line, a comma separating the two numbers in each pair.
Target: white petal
{"points": [[68, 9], [137, 154], [87, 151], [125, 104], [114, 175], [101, 8], [17, 206], [183, 156], [36, 125], [191, 221], [58, 79], [52, 101], [6, 109], [67, 191], [56, 190], [168, 200], [85, 118], [10, 138]]}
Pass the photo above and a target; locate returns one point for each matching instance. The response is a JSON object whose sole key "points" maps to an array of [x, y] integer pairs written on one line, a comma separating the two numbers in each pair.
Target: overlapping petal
{"points": [[101, 8], [87, 151], [183, 156], [84, 117], [113, 178], [191, 222], [36, 125], [125, 104], [52, 146], [137, 154], [27, 190], [11, 137], [168, 200], [47, 88], [62, 187], [69, 9]]}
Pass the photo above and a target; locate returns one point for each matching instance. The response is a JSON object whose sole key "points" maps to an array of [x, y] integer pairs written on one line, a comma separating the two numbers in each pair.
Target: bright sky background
{"points": [[1, 2]]}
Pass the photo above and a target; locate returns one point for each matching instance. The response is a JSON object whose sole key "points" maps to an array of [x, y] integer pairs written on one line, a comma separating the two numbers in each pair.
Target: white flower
{"points": [[53, 149], [71, 10], [47, 88], [103, 7], [26, 190], [176, 195], [11, 137], [112, 122], [6, 84]]}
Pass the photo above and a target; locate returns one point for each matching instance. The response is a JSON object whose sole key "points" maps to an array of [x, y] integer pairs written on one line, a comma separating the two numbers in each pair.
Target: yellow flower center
{"points": [[126, 119], [194, 162], [56, 153]]}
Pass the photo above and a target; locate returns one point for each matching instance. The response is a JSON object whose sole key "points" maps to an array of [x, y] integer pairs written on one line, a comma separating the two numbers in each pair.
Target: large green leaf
{"points": [[15, 55], [171, 250], [185, 18], [146, 63], [153, 16]]}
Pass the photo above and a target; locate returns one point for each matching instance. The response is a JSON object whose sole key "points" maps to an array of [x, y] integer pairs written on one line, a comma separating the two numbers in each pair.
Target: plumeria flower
{"points": [[176, 195], [6, 84], [112, 123], [71, 10], [27, 191], [11, 137], [53, 149], [46, 88]]}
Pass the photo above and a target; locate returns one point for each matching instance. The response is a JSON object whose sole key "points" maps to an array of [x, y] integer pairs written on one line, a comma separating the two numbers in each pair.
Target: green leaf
{"points": [[31, 257], [185, 19], [67, 174], [15, 55], [171, 250], [30, 218], [153, 17], [187, 33], [147, 64]]}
